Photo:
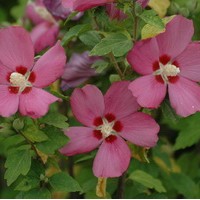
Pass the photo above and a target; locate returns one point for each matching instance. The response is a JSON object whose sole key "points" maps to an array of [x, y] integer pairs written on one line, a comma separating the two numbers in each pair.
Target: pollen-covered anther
{"points": [[19, 80]]}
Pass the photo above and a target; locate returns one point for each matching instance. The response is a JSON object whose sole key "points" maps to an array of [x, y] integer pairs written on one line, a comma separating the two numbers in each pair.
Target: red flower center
{"points": [[165, 70], [107, 127], [21, 80]]}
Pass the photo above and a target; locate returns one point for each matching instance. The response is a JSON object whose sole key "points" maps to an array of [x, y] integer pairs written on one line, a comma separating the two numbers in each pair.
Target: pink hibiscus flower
{"points": [[22, 79], [169, 61], [82, 5], [108, 120]]}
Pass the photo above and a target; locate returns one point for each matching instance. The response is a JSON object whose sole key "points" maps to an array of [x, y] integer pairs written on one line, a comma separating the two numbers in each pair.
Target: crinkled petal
{"points": [[119, 100], [82, 5], [140, 129], [143, 55], [16, 48], [177, 36], [112, 159], [50, 66], [189, 62], [9, 102], [36, 103], [87, 104], [82, 140], [148, 91], [39, 35], [184, 97]]}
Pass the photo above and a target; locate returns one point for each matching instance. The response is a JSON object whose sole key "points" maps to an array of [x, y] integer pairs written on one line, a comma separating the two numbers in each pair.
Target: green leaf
{"points": [[55, 119], [147, 180], [18, 124], [34, 134], [117, 43], [64, 183], [90, 38], [100, 65], [114, 78], [189, 132], [18, 11], [185, 185], [75, 31], [150, 17], [39, 193], [17, 163], [56, 140]]}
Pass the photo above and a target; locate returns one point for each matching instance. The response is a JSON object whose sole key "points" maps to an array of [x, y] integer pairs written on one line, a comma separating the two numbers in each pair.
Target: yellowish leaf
{"points": [[101, 187]]}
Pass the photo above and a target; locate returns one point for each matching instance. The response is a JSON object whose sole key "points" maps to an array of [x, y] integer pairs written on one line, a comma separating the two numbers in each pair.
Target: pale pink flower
{"points": [[114, 12], [82, 5], [78, 70], [46, 31], [143, 3], [22, 80], [109, 119], [169, 61]]}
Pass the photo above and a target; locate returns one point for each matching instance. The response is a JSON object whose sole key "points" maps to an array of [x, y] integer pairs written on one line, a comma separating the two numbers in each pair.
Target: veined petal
{"points": [[148, 91], [82, 140], [50, 66], [4, 74], [16, 48], [140, 129], [143, 55], [119, 100], [189, 62], [9, 102], [112, 159], [87, 104], [184, 97], [36, 102], [177, 36]]}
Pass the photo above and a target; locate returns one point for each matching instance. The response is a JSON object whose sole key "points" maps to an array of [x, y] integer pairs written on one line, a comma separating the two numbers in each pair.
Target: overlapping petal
{"points": [[50, 66], [87, 104], [16, 48], [112, 159], [119, 100], [82, 140], [148, 91]]}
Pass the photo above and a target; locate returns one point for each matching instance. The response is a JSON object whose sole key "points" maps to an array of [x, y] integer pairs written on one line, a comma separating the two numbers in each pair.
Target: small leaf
{"points": [[64, 183], [75, 31], [117, 43], [147, 180], [18, 162], [38, 193], [100, 66], [55, 119], [90, 38], [34, 134], [114, 78]]}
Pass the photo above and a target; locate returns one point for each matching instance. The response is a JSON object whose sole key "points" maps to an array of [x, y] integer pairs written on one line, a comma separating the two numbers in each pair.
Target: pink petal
{"points": [[177, 36], [148, 91], [140, 129], [184, 96], [112, 159], [50, 66], [82, 5], [16, 48], [143, 56], [68, 4], [82, 140], [39, 35], [35, 103], [143, 3], [9, 102], [87, 104], [119, 100], [189, 62], [4, 74]]}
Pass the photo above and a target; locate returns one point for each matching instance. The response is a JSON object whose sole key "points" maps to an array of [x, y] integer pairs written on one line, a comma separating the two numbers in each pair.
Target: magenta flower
{"points": [[22, 80], [78, 70], [169, 61], [108, 120], [143, 3], [114, 12], [82, 5]]}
